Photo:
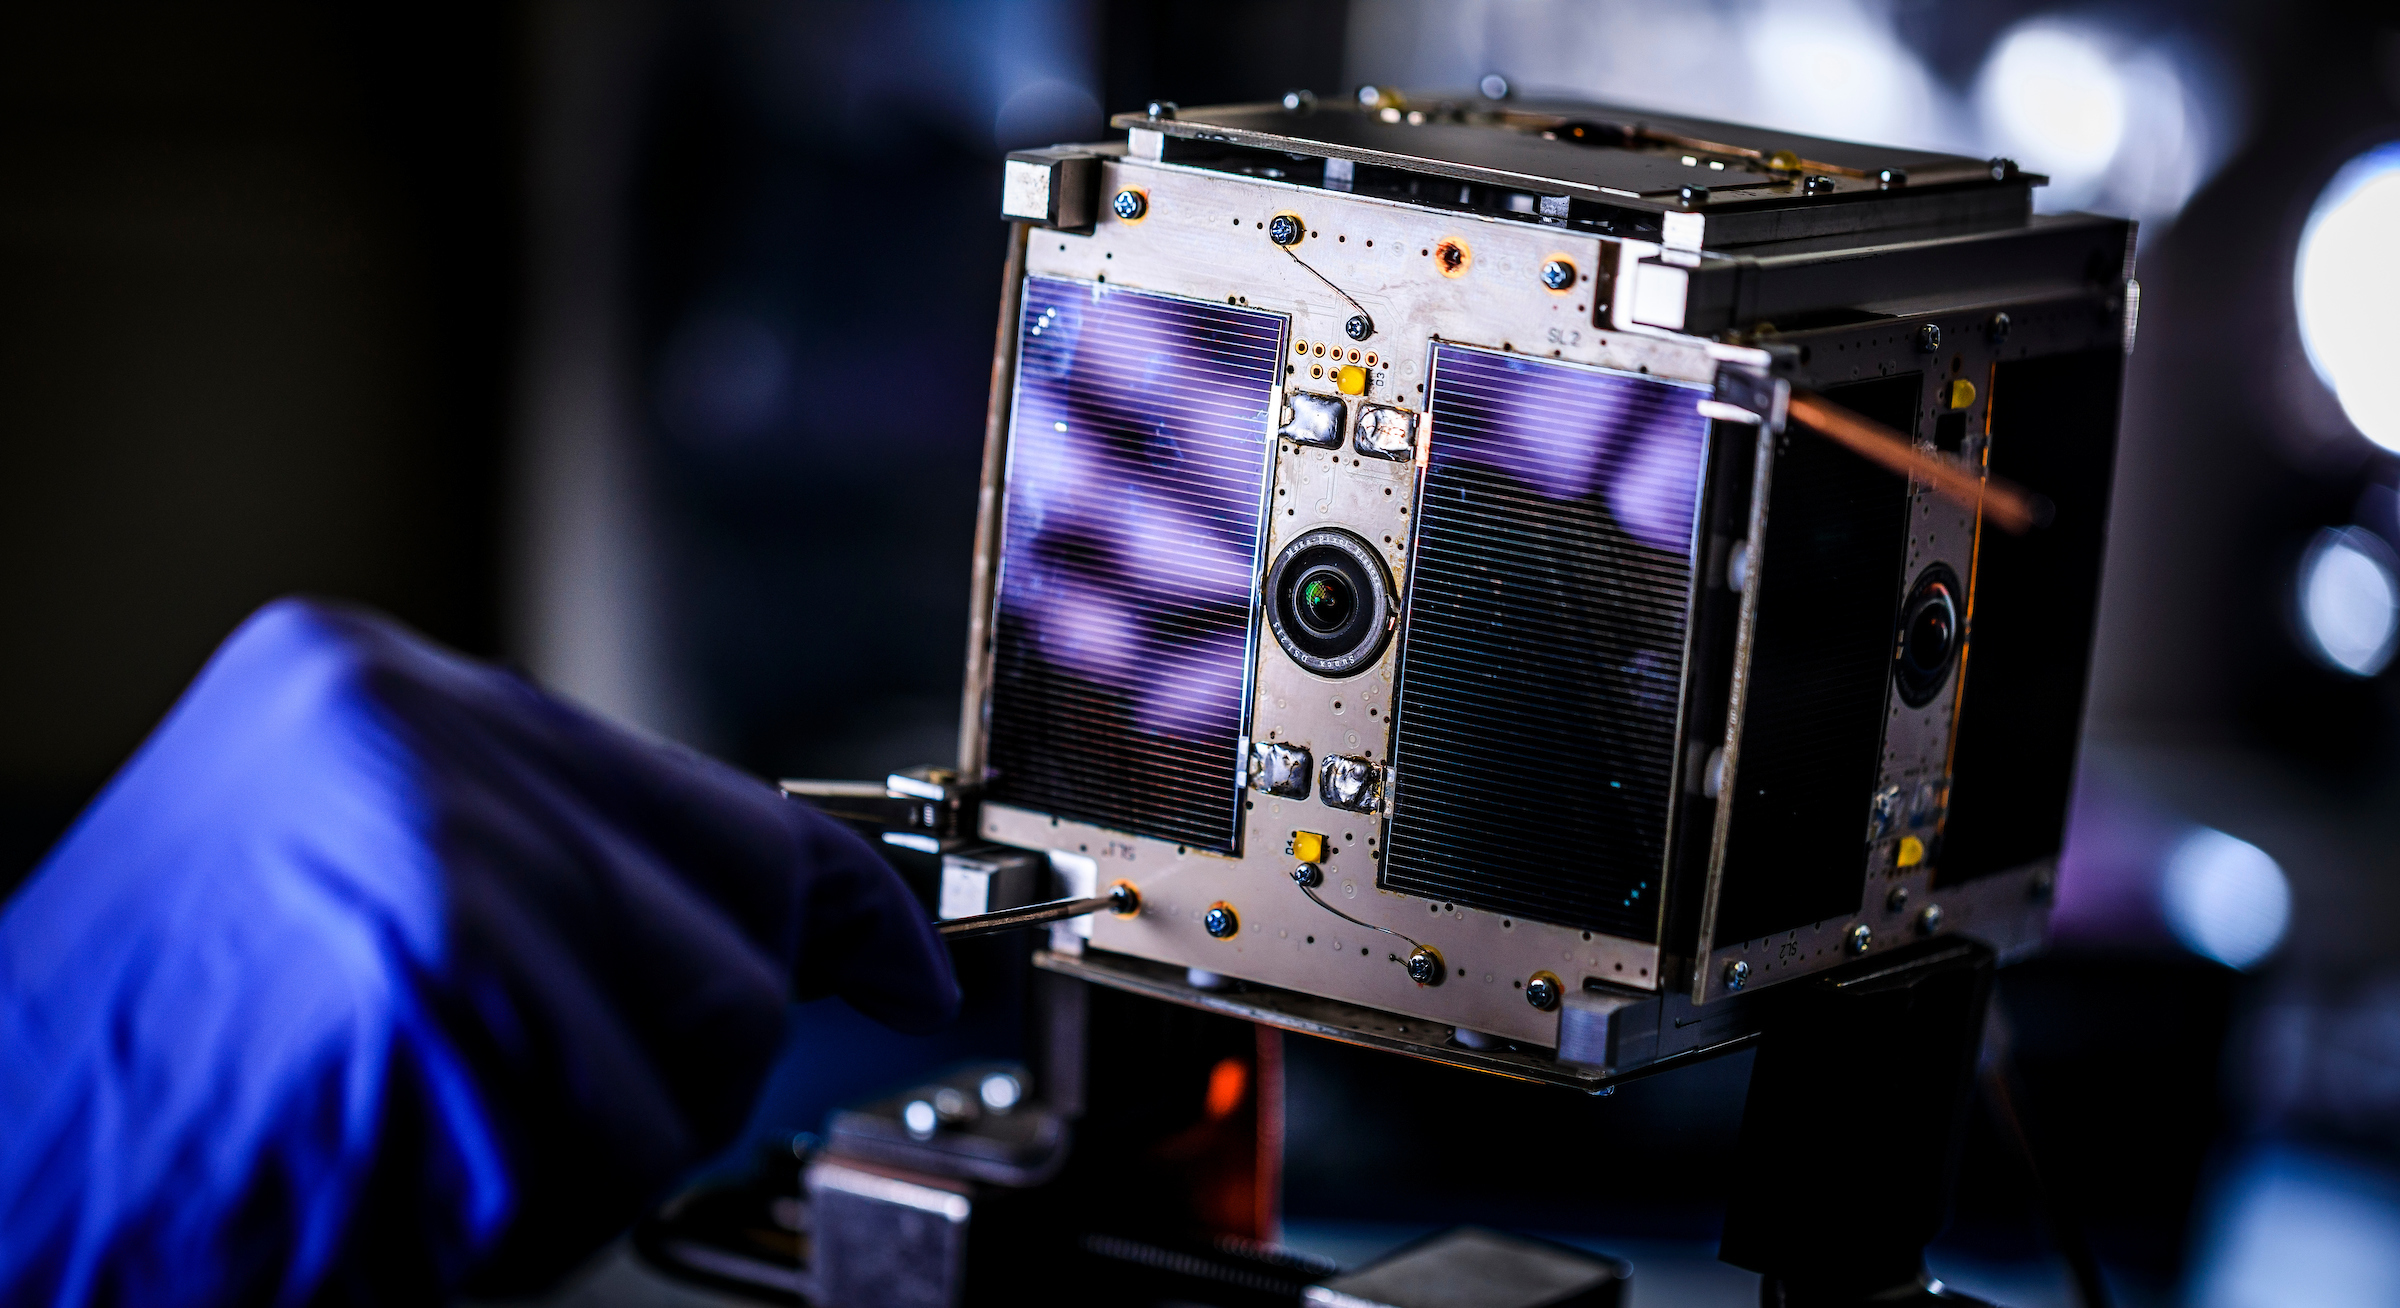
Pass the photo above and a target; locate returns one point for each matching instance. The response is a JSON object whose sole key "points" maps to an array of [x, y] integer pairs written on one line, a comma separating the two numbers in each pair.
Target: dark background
{"points": [[647, 346]]}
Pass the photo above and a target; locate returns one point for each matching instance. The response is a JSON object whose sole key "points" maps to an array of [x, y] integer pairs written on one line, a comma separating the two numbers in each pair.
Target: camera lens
{"points": [[1929, 636], [1326, 600], [1329, 602], [1929, 633]]}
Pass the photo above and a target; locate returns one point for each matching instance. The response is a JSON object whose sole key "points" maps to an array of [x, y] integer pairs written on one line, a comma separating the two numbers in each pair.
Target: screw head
{"points": [[1162, 108], [1692, 194], [1896, 900], [1359, 328], [1558, 274], [1129, 205], [1929, 338], [1300, 102], [1998, 327], [1862, 938], [1541, 991], [1424, 966], [1308, 874], [1930, 920], [1493, 86], [1284, 229], [1817, 184], [920, 1118], [1220, 921], [1892, 177], [1737, 974]]}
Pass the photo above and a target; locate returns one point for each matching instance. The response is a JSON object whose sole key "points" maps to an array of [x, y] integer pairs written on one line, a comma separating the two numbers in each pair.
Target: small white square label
{"points": [[1658, 295], [1025, 191]]}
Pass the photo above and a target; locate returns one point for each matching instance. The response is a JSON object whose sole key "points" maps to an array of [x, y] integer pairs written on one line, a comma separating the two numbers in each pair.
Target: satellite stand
{"points": [[1873, 1065]]}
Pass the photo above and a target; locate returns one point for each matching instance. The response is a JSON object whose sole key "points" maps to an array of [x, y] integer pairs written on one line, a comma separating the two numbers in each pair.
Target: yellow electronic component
{"points": [[1307, 846], [1962, 393], [1912, 851], [1352, 379]]}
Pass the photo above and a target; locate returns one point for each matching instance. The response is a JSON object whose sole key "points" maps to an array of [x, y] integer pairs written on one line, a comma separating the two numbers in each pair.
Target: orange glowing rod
{"points": [[2009, 507]]}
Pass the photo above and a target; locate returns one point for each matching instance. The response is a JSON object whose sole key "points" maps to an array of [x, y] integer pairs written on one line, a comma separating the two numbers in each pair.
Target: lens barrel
{"points": [[1929, 636], [1329, 602]]}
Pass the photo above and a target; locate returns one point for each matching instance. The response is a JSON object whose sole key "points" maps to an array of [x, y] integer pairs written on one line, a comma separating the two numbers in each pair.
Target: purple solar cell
{"points": [[1130, 551]]}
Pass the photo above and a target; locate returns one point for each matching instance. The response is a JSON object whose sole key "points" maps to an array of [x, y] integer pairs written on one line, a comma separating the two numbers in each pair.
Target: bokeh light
{"points": [[2345, 284], [2349, 600], [2053, 98], [2119, 125], [1832, 70], [2226, 899]]}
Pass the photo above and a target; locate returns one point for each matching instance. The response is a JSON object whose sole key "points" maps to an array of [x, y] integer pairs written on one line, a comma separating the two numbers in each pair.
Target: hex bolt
{"points": [[1558, 274], [1930, 920], [1862, 938], [1541, 991], [1220, 921], [1129, 205], [1737, 974], [1424, 966], [1360, 327], [1284, 229], [1897, 899], [1929, 339], [1308, 875]]}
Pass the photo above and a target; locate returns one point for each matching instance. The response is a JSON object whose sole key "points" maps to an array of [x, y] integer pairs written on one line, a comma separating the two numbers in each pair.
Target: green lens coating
{"points": [[1325, 601]]}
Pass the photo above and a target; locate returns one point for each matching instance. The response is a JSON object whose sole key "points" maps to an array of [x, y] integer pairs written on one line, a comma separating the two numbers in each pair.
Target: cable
{"points": [[1307, 875], [1362, 312], [1997, 1075]]}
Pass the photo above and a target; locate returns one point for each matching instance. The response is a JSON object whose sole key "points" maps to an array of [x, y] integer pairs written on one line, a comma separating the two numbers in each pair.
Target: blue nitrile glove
{"points": [[378, 973]]}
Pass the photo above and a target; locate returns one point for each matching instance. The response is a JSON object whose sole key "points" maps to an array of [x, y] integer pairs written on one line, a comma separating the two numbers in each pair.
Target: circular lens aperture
{"points": [[1326, 599], [1329, 602], [1929, 636]]}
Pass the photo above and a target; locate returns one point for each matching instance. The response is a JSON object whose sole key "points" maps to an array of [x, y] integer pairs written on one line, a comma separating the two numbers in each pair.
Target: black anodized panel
{"points": [[1820, 669], [2029, 642]]}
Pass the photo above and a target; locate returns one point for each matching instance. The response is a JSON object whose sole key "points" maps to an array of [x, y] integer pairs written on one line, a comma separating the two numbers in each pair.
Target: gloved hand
{"points": [[377, 973]]}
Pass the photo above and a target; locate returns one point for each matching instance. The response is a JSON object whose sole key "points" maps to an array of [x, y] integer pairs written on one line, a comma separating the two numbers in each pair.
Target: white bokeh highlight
{"points": [[2345, 284], [2225, 898], [2349, 601], [2051, 96]]}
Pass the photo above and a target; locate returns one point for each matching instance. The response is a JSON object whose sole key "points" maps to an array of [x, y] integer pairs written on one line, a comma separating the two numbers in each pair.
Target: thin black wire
{"points": [[1998, 1078], [1311, 892], [1362, 312]]}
